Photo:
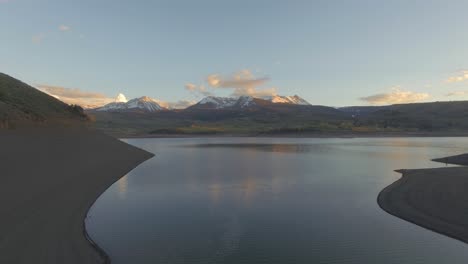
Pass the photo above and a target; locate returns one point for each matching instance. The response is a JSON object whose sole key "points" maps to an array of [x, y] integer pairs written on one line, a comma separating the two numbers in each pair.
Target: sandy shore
{"points": [[436, 199], [457, 159], [49, 179]]}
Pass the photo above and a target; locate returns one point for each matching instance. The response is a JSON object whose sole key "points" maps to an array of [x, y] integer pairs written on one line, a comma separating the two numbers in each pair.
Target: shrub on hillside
{"points": [[78, 110]]}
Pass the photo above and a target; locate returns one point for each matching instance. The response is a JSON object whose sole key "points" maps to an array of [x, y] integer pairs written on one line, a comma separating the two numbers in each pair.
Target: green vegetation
{"points": [[219, 122], [77, 110], [2, 96], [23, 104], [422, 117]]}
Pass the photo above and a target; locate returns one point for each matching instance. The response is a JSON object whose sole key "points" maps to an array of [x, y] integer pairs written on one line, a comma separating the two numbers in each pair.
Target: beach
{"points": [[49, 180], [435, 199]]}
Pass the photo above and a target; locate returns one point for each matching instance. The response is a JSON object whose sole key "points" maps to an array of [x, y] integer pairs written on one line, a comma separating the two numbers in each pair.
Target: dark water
{"points": [[270, 200]]}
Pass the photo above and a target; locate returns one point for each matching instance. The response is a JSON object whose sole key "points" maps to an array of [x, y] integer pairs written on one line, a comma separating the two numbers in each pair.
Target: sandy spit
{"points": [[49, 178], [436, 199]]}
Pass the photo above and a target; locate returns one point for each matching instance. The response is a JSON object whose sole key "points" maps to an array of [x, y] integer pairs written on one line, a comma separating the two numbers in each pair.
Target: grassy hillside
{"points": [[428, 117], [21, 104]]}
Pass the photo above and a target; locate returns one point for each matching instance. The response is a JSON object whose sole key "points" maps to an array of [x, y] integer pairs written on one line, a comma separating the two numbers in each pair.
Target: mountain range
{"points": [[254, 116], [147, 104], [21, 104], [143, 103], [212, 102]]}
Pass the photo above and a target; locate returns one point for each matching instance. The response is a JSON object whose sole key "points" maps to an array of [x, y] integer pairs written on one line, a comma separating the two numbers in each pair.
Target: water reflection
{"points": [[216, 192], [275, 201], [278, 148], [123, 187]]}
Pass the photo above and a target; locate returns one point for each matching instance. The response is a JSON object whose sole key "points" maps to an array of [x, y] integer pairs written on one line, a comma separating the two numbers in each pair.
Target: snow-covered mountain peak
{"points": [[245, 101], [146, 99], [295, 99], [143, 103], [218, 102]]}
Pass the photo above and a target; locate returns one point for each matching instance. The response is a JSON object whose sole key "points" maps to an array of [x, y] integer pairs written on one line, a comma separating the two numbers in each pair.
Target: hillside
{"points": [[429, 117], [21, 104], [263, 117]]}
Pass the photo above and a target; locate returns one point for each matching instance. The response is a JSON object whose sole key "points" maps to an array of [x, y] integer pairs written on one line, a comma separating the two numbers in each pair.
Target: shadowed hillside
{"points": [[428, 117], [21, 104]]}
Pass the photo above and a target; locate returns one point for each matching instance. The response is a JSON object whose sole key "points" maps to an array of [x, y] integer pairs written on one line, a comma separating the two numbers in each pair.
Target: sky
{"points": [[335, 53]]}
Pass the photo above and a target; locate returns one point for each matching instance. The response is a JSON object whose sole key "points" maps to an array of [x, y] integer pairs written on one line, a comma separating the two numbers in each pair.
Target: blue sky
{"points": [[329, 52]]}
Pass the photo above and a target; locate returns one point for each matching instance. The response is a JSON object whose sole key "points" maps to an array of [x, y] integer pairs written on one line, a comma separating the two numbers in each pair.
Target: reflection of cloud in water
{"points": [[215, 192], [248, 189], [122, 185], [279, 148]]}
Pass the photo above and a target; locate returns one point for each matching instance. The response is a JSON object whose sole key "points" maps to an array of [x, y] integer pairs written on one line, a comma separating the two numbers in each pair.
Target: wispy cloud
{"points": [[396, 96], [92, 99], [460, 77], [197, 89], [76, 96], [64, 28], [457, 93], [191, 87], [242, 83], [38, 38]]}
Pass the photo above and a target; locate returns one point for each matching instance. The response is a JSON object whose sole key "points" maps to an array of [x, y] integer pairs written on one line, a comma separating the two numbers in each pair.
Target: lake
{"points": [[269, 200]]}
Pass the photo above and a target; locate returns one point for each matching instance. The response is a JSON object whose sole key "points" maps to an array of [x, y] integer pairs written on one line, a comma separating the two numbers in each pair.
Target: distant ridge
{"points": [[252, 116], [224, 115], [21, 104]]}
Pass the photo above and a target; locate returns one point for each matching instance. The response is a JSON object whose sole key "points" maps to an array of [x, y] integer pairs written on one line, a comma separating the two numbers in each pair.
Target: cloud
{"points": [[191, 87], [457, 93], [197, 89], [462, 76], [64, 28], [93, 99], [76, 96], [69, 92], [396, 96], [4, 1], [243, 83], [38, 38]]}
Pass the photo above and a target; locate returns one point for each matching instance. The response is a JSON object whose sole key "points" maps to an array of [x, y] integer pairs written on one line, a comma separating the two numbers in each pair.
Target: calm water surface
{"points": [[269, 200]]}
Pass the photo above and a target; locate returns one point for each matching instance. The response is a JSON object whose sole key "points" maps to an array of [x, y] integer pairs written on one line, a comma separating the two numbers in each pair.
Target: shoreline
{"points": [[305, 135], [430, 198], [50, 180]]}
